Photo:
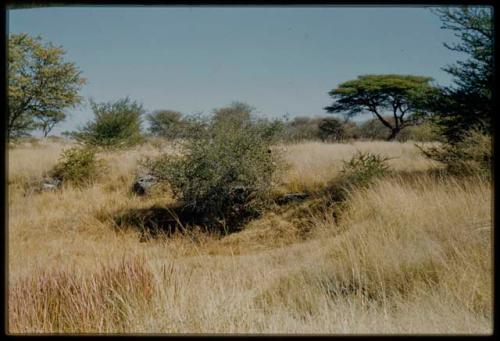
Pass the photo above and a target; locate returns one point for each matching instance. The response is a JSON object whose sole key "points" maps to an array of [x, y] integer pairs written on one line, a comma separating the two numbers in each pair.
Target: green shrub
{"points": [[224, 173], [421, 131], [362, 168], [237, 112], [77, 166], [359, 172], [316, 129], [374, 129], [352, 130], [165, 123], [116, 124], [470, 156], [331, 129], [425, 132], [300, 129]]}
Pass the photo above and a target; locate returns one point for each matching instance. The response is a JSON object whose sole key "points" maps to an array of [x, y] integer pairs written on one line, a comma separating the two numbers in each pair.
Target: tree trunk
{"points": [[47, 128], [394, 133]]}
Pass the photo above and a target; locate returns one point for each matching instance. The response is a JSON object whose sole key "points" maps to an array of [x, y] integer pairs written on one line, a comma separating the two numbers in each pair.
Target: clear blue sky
{"points": [[277, 59]]}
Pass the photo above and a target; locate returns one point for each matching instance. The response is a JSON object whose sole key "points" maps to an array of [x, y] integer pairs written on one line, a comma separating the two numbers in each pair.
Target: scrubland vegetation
{"points": [[233, 223], [411, 253]]}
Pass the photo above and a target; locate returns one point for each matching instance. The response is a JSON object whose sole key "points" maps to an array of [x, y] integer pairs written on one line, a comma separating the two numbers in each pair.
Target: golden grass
{"points": [[314, 163], [405, 256], [64, 302]]}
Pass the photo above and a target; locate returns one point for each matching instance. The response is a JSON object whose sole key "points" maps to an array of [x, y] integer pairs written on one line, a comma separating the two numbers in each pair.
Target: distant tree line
{"points": [[172, 124], [43, 86]]}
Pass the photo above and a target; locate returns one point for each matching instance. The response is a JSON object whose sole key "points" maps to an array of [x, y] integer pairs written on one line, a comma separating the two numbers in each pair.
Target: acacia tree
{"points": [[48, 120], [467, 104], [401, 95], [41, 84]]}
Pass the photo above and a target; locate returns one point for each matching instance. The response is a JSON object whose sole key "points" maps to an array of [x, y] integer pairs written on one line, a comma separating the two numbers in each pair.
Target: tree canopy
{"points": [[467, 104], [401, 95], [41, 85]]}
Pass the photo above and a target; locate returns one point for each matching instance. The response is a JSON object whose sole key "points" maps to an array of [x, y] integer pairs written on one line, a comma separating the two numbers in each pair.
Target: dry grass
{"points": [[314, 163], [404, 257], [65, 302]]}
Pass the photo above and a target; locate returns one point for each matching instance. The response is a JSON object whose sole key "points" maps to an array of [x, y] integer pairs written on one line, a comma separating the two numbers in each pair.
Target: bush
{"points": [[470, 156], [224, 173], [193, 125], [373, 129], [363, 168], [165, 123], [331, 129], [238, 113], [77, 166], [299, 129], [115, 125], [425, 132], [352, 130], [314, 129], [360, 171]]}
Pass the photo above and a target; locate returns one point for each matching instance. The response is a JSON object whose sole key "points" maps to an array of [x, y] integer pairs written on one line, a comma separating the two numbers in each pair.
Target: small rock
{"points": [[291, 197], [143, 184], [48, 187], [50, 184]]}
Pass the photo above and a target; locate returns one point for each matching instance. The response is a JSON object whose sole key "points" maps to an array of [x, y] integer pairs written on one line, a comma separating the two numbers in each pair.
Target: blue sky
{"points": [[194, 59]]}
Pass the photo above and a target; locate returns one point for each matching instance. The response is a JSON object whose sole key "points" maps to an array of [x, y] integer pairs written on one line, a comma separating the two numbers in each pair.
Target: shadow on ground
{"points": [[158, 219], [167, 220]]}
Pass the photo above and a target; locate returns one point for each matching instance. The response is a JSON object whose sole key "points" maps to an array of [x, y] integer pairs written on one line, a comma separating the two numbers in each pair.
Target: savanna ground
{"points": [[409, 254]]}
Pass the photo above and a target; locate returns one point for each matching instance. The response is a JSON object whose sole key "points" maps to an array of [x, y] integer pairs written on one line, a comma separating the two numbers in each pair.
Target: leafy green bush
{"points": [[224, 173], [425, 132], [314, 129], [374, 129], [237, 112], [331, 129], [116, 124], [300, 129], [77, 166], [469, 156], [362, 168], [334, 130], [165, 123], [359, 172]]}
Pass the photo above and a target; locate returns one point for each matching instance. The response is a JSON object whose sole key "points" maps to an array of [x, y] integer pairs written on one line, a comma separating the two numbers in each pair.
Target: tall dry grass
{"points": [[65, 302], [312, 164], [410, 254]]}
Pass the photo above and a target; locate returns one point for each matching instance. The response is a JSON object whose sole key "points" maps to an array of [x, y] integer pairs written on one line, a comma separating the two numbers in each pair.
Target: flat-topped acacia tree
{"points": [[401, 95]]}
